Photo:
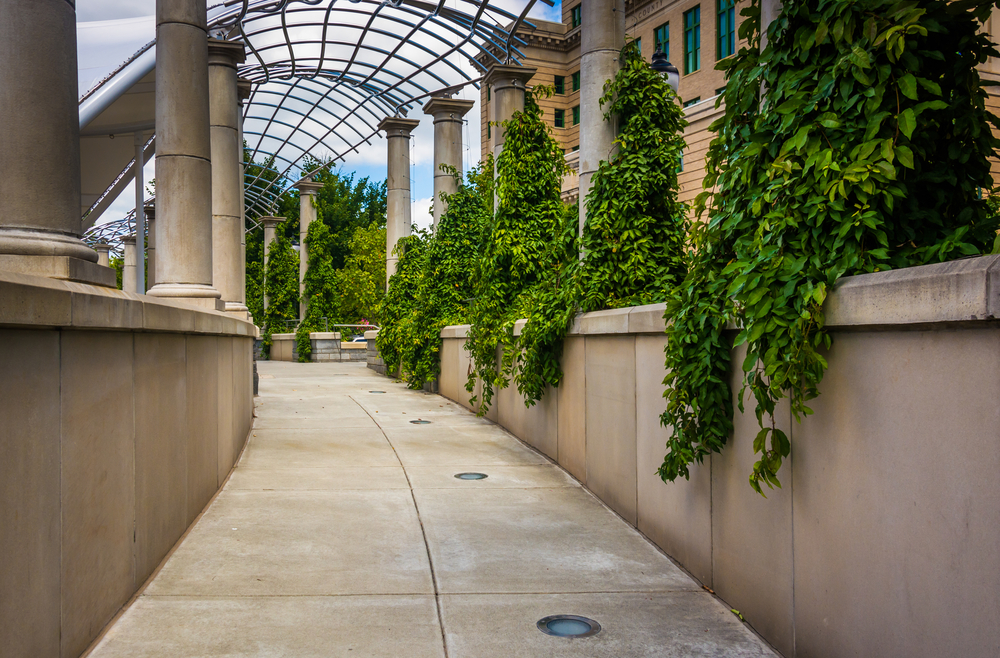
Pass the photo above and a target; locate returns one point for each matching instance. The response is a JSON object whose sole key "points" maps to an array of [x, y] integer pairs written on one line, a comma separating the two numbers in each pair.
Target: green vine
{"points": [[516, 249], [321, 293], [281, 287], [866, 151], [399, 304], [633, 239]]}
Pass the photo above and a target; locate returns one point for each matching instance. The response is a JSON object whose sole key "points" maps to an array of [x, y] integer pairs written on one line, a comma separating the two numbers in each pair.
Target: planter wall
{"points": [[885, 537]]}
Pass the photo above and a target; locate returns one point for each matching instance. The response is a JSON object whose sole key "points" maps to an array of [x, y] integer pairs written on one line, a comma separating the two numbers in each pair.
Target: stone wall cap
{"points": [[456, 331], [282, 336], [31, 301], [371, 335], [324, 335]]}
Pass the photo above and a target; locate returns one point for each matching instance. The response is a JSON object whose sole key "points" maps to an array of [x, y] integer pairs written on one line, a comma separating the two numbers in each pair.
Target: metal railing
{"points": [[292, 325]]}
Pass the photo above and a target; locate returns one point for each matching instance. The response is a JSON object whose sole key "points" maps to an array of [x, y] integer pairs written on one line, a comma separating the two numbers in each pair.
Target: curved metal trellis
{"points": [[324, 73]]}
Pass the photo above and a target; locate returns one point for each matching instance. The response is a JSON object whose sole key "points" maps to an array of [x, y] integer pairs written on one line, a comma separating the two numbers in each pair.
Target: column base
{"points": [[65, 268], [239, 310], [192, 294]]}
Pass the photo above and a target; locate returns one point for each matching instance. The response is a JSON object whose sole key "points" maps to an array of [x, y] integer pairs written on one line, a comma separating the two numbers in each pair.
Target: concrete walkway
{"points": [[343, 532]]}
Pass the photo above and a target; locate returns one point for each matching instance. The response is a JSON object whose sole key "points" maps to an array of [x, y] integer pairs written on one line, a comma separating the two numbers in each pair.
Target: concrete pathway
{"points": [[343, 532]]}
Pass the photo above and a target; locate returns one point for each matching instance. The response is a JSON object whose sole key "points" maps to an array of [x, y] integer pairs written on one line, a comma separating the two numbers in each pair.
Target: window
{"points": [[575, 148], [576, 81], [661, 37], [691, 102], [560, 84], [576, 16], [692, 40], [720, 91], [680, 162], [489, 131], [560, 118], [638, 44], [488, 94], [576, 115], [726, 28]]}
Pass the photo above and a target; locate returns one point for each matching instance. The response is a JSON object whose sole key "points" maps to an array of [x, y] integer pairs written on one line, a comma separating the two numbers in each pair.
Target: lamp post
{"points": [[661, 65]]}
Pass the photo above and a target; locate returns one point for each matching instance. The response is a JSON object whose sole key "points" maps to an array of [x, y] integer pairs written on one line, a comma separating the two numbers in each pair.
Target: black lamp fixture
{"points": [[662, 66]]}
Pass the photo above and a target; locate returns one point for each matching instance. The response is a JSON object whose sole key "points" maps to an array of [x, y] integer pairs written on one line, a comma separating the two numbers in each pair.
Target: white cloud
{"points": [[103, 10], [420, 213]]}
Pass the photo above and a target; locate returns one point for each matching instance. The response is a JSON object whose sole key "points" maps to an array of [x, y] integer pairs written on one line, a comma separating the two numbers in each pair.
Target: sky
{"points": [[102, 47]]}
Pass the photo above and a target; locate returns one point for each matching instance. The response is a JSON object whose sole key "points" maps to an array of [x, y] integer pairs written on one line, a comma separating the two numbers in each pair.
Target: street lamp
{"points": [[669, 72]]}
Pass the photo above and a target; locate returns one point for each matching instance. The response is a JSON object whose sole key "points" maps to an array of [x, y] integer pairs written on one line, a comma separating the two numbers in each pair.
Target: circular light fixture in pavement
{"points": [[420, 422], [471, 476], [568, 626]]}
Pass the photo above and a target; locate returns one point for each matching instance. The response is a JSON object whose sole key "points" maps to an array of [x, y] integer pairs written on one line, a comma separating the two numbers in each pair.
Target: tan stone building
{"points": [[695, 35]]}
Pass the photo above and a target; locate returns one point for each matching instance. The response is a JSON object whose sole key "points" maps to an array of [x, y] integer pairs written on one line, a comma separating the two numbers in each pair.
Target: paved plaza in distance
{"points": [[343, 532]]}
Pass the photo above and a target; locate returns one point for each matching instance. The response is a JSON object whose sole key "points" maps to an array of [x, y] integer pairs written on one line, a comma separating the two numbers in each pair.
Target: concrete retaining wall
{"points": [[120, 417], [326, 346], [885, 538]]}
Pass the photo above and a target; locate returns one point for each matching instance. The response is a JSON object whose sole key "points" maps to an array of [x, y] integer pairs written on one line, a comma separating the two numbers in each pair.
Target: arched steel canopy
{"points": [[326, 72]]}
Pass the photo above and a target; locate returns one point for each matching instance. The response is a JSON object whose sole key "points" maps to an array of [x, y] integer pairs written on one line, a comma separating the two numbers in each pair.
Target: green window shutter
{"points": [[576, 81], [576, 15], [692, 40], [576, 115]]}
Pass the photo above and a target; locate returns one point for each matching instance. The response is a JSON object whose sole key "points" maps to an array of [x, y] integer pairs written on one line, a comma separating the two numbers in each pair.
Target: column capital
{"points": [[440, 108], [271, 222], [308, 187], [129, 240], [502, 76], [244, 88], [150, 210], [226, 53], [398, 126]]}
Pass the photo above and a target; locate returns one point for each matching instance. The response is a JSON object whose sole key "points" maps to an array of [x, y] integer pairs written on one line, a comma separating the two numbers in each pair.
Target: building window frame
{"points": [[559, 82], [576, 16], [576, 81], [692, 40], [576, 115], [725, 29], [560, 118], [661, 39]]}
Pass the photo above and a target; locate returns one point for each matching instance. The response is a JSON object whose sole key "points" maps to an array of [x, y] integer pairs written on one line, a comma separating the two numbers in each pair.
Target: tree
{"points": [[362, 280], [281, 287], [322, 293]]}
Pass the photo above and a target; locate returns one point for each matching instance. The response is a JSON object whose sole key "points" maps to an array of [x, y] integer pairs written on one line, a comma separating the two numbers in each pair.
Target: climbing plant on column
{"points": [[322, 294], [397, 310], [281, 287], [516, 249], [866, 150], [635, 231]]}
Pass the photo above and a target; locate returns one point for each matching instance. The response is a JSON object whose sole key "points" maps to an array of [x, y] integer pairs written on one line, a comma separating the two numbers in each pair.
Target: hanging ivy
{"points": [[516, 249], [399, 304], [866, 151], [633, 239], [281, 287], [362, 279], [321, 293]]}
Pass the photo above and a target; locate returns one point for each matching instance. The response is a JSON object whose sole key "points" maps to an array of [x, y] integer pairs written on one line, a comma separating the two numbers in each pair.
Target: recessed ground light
{"points": [[376, 391], [471, 476], [420, 422], [568, 626]]}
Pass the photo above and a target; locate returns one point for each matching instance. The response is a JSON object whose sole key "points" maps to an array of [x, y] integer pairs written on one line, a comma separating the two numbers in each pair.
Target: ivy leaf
{"points": [[905, 156], [908, 85], [907, 121]]}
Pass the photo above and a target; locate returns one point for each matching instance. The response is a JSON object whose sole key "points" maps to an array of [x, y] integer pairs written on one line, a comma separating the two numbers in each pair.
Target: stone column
{"points": [[103, 254], [307, 214], [508, 84], [183, 155], [40, 223], [243, 90], [227, 175], [139, 144], [270, 226], [129, 267], [601, 40], [150, 245], [397, 132], [448, 124], [769, 12]]}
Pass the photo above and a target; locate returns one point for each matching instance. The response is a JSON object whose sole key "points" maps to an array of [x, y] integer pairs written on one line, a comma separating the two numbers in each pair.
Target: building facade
{"points": [[695, 35]]}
